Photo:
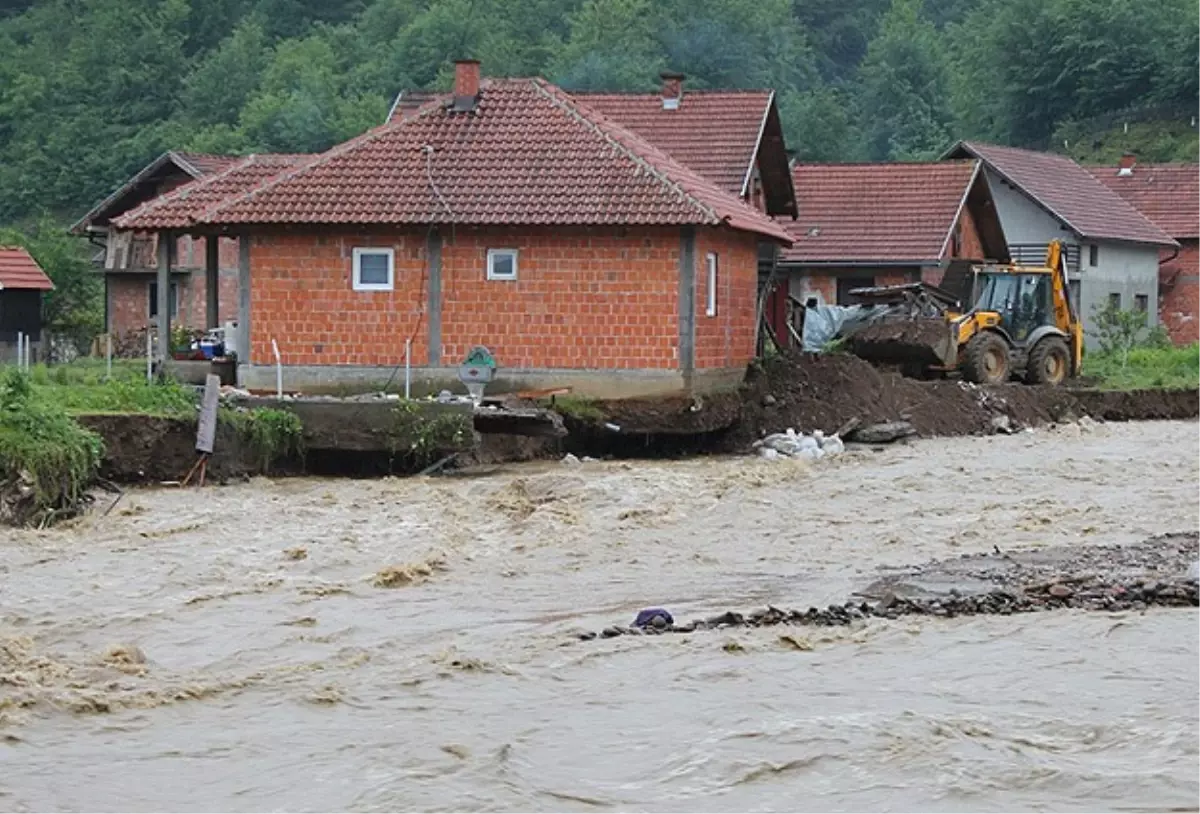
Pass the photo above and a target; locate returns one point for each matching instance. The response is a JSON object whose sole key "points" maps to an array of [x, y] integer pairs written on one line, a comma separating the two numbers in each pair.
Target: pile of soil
{"points": [[823, 392], [1139, 405]]}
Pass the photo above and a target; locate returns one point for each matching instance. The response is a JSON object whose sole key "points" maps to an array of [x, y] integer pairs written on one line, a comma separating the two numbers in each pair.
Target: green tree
{"points": [[611, 47], [904, 88], [223, 82]]}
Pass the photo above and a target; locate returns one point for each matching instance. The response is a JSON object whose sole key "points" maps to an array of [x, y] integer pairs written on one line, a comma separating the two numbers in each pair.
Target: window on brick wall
{"points": [[173, 301], [502, 264], [374, 269], [710, 304]]}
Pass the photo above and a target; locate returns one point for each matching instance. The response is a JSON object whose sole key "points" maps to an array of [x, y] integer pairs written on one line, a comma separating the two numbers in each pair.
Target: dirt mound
{"points": [[1139, 405], [811, 392], [150, 449]]}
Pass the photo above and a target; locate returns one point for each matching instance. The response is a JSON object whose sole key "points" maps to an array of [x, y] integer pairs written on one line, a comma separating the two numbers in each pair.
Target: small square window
{"points": [[1093, 255], [710, 307], [373, 269], [1141, 302], [1114, 302], [502, 264]]}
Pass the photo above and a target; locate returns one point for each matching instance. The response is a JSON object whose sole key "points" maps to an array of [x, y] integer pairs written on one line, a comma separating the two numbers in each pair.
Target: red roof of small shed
{"points": [[18, 269]]}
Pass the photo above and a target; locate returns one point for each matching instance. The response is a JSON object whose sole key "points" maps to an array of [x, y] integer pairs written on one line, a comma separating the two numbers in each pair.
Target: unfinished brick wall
{"points": [[583, 299], [129, 291], [969, 247], [597, 299], [302, 296], [1179, 292], [726, 339]]}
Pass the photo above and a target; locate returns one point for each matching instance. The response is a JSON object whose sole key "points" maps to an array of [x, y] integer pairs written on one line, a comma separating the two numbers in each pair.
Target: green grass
{"points": [[270, 434], [47, 460], [1146, 367], [578, 408], [84, 387]]}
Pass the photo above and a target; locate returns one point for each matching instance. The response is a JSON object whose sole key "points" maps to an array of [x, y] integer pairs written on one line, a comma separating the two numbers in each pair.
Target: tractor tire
{"points": [[1049, 362], [986, 359]]}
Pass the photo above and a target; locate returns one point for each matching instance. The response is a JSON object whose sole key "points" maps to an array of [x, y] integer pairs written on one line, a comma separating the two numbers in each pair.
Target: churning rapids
{"points": [[408, 644]]}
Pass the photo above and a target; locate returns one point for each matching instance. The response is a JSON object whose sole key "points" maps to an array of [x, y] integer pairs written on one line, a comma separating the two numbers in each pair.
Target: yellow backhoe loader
{"points": [[989, 323]]}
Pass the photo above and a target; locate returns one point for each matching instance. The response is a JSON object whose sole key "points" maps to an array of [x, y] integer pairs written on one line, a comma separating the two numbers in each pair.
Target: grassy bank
{"points": [[1145, 367], [47, 461]]}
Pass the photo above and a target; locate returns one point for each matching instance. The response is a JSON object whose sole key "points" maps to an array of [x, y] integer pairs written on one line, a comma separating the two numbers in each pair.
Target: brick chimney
{"points": [[672, 89], [1127, 163], [466, 84]]}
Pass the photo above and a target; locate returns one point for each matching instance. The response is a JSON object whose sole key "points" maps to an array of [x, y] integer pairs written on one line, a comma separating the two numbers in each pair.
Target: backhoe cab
{"points": [[1020, 322]]}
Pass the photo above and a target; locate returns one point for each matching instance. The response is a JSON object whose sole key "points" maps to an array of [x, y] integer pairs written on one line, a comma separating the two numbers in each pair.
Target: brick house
{"points": [[864, 225], [1169, 196], [511, 215], [22, 284], [734, 138], [1112, 251], [129, 260]]}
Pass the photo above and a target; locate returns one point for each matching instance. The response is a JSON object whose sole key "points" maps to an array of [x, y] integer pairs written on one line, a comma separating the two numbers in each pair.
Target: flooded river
{"points": [[237, 649]]}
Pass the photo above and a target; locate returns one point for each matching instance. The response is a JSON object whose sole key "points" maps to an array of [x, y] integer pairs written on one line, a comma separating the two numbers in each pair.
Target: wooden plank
{"points": [[206, 428]]}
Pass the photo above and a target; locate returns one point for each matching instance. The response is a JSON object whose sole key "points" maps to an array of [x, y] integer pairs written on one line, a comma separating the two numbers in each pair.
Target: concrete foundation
{"points": [[597, 384]]}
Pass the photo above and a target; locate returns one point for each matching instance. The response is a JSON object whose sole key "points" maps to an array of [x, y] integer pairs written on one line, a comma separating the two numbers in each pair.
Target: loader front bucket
{"points": [[921, 342]]}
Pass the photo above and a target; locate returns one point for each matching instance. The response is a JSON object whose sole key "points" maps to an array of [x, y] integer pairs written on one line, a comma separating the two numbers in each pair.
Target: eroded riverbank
{"points": [[233, 650]]}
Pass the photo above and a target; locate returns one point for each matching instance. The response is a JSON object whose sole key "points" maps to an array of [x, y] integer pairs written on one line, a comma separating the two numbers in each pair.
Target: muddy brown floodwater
{"points": [[235, 649]]}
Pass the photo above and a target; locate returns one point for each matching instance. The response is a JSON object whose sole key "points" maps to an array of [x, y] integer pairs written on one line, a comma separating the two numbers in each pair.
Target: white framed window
{"points": [[374, 269], [710, 305], [502, 264]]}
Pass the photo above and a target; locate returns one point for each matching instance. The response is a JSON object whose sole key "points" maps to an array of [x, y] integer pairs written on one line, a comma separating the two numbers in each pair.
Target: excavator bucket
{"points": [[912, 329], [921, 342]]}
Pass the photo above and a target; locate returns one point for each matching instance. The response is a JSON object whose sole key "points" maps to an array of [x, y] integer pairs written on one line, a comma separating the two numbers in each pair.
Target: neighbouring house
{"points": [[1169, 196], [129, 260], [733, 138], [22, 283], [864, 225], [1112, 250], [510, 215]]}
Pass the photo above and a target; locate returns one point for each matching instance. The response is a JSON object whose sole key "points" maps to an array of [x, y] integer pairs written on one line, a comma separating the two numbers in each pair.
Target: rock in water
{"points": [[883, 433]]}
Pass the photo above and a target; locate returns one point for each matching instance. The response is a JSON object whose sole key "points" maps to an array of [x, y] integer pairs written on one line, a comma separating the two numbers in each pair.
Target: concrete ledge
{"points": [[599, 384]]}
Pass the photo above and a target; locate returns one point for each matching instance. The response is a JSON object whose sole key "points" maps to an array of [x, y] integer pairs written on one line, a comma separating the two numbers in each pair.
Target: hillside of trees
{"points": [[90, 92]]}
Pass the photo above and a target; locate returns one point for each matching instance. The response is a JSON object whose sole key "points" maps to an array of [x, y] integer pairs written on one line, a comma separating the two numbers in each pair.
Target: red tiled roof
{"points": [[1167, 194], [713, 132], [529, 154], [19, 270], [1069, 192], [206, 163], [876, 213], [183, 206]]}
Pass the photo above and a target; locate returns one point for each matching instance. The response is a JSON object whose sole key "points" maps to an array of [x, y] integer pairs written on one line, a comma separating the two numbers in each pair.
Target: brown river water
{"points": [[230, 649]]}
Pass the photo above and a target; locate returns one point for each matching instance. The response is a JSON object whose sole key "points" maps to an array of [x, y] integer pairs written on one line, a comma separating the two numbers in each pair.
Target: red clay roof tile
{"points": [[1069, 192], [19, 270], [530, 154], [713, 132], [1167, 194], [876, 213], [181, 207], [207, 163]]}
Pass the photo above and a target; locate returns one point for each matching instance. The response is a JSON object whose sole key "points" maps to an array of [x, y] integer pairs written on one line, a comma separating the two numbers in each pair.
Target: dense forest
{"points": [[91, 91]]}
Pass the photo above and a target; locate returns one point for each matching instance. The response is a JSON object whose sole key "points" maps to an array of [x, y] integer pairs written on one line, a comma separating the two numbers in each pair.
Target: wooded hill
{"points": [[90, 92]]}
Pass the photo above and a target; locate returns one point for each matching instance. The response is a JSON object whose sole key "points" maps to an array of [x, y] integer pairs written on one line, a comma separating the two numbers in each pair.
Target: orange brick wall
{"points": [[583, 299], [1179, 292], [301, 296], [727, 339]]}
